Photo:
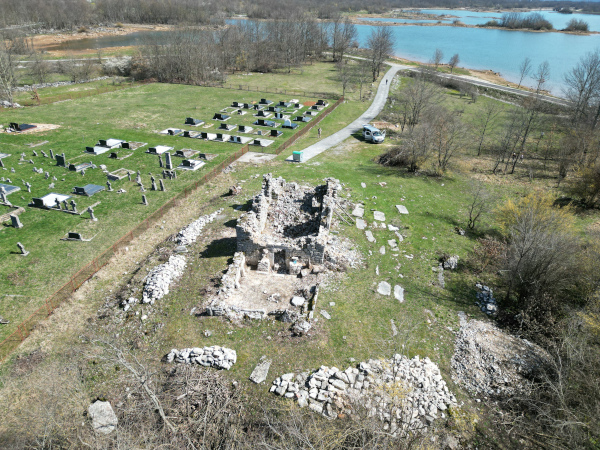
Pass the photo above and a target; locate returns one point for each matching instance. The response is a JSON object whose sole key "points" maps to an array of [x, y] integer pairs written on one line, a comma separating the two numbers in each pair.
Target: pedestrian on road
{"points": [[319, 132], [386, 81]]}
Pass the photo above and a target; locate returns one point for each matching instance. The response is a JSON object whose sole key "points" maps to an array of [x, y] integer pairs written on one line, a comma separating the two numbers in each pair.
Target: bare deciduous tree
{"points": [[480, 203], [485, 121], [436, 60], [453, 62], [524, 70], [380, 45]]}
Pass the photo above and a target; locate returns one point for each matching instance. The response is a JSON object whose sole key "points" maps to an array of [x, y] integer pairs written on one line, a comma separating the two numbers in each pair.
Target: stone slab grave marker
{"points": [[162, 185], [402, 209], [73, 236], [260, 372], [61, 160], [15, 222], [191, 164], [384, 288], [22, 249], [378, 215], [168, 161], [144, 200]]}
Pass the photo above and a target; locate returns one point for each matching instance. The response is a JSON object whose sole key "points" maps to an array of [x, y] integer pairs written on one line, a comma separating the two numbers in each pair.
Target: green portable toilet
{"points": [[298, 156]]}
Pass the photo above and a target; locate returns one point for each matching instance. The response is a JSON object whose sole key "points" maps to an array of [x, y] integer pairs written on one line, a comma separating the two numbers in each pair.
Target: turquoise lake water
{"points": [[478, 48]]}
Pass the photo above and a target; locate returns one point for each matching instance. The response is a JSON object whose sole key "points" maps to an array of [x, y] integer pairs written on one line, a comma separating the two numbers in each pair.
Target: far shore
{"points": [[358, 21]]}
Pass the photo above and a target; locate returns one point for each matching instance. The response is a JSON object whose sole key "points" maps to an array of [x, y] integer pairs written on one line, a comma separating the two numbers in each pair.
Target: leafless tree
{"points": [[343, 32], [39, 69], [413, 153], [7, 72], [445, 130], [485, 121], [414, 99], [582, 88], [438, 55], [524, 70], [453, 62], [380, 45], [479, 204]]}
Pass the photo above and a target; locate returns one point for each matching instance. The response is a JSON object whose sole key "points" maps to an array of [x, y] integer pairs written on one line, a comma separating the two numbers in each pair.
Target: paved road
{"points": [[366, 117]]}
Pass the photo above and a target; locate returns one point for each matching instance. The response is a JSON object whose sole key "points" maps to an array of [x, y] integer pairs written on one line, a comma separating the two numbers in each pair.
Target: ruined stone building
{"points": [[288, 225]]}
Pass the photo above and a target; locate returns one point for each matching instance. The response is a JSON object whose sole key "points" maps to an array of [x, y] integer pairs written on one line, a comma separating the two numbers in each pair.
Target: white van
{"points": [[372, 134]]}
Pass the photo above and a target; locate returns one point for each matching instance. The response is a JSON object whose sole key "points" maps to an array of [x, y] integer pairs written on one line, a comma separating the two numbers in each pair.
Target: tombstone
{"points": [[275, 133], [57, 203], [44, 154], [92, 217], [142, 188], [109, 186], [15, 221], [129, 175], [51, 154], [219, 136], [28, 186], [35, 153], [72, 236], [162, 185], [279, 115], [73, 206], [144, 200], [23, 251], [83, 172], [203, 135], [65, 205], [3, 195], [22, 157], [113, 155], [1, 163], [61, 161], [153, 187], [51, 186], [259, 132], [168, 162], [12, 170]]}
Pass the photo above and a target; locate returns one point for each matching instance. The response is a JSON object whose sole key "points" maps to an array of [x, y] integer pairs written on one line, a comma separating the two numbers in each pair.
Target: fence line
{"points": [[8, 345]]}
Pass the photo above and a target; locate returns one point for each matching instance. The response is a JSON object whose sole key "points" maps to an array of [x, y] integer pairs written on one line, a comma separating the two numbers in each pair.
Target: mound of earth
{"points": [[488, 361]]}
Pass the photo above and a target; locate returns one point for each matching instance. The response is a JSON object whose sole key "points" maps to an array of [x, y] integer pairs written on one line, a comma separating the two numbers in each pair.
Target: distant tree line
{"points": [[69, 14]]}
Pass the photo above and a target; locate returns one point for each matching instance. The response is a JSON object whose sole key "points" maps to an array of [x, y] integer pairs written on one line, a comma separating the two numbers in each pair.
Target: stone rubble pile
{"points": [[55, 84], [296, 210], [214, 356], [158, 280], [486, 300], [406, 394], [491, 362], [190, 233]]}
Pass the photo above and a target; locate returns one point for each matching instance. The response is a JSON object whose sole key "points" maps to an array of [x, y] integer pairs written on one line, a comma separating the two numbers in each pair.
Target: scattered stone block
{"points": [[382, 249], [369, 235], [298, 301], [325, 314], [378, 215], [363, 185], [402, 209], [104, 419], [384, 288], [358, 211], [260, 372], [399, 293], [361, 224]]}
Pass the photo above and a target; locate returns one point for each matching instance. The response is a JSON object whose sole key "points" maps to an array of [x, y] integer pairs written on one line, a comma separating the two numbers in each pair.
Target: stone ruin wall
{"points": [[251, 236]]}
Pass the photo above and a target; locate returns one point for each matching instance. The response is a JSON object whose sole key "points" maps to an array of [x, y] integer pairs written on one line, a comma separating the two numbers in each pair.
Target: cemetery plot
{"points": [[190, 134], [15, 127], [239, 139], [49, 201], [266, 123], [245, 129], [190, 164], [171, 131], [263, 114], [189, 153], [88, 190], [221, 117], [133, 145], [81, 167], [9, 188], [74, 236], [262, 142], [193, 122], [119, 174], [159, 149], [226, 127]]}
